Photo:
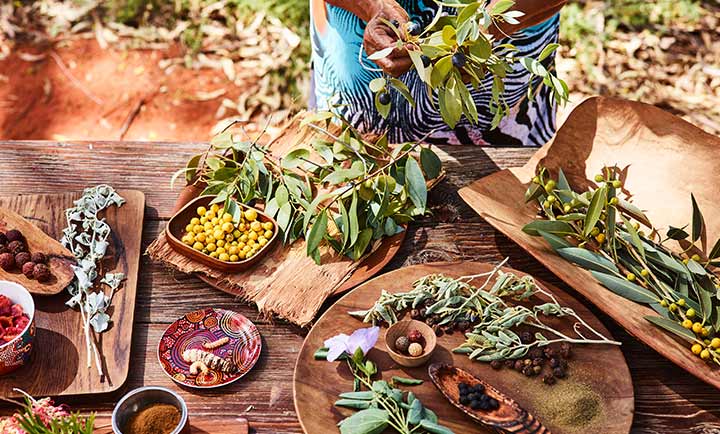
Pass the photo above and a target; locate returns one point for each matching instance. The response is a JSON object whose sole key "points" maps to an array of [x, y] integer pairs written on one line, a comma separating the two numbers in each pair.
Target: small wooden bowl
{"points": [[175, 230], [402, 328]]}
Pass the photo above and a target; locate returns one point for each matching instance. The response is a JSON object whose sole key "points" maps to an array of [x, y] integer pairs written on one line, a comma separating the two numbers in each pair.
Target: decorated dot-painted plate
{"points": [[201, 327]]}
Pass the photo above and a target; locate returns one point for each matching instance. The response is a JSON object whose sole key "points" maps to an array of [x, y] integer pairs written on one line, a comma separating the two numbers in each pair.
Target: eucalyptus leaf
{"points": [[597, 204], [415, 182], [625, 288], [672, 327], [588, 260]]}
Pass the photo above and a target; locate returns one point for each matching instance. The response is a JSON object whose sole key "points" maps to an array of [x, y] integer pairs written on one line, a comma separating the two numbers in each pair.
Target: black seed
{"points": [[425, 60], [414, 28], [395, 23], [459, 60], [475, 405], [494, 404], [384, 98], [479, 388], [464, 400], [484, 405]]}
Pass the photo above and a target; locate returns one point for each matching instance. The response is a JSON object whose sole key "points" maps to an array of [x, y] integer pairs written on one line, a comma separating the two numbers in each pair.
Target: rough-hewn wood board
{"points": [[58, 364], [317, 383], [667, 399], [60, 259]]}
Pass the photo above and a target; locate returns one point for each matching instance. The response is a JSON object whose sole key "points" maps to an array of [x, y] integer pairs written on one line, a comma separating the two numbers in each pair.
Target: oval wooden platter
{"points": [[60, 259], [598, 369], [646, 142]]}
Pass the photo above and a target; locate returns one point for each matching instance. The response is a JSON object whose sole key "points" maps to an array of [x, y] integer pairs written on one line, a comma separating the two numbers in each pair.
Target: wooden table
{"points": [[668, 400]]}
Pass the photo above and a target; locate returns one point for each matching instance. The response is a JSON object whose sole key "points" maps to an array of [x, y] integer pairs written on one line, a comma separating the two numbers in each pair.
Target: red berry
{"points": [[415, 336]]}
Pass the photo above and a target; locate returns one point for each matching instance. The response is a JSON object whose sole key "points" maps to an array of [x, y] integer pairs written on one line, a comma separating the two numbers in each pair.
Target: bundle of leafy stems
{"points": [[486, 309], [42, 417], [600, 231], [457, 49], [340, 190]]}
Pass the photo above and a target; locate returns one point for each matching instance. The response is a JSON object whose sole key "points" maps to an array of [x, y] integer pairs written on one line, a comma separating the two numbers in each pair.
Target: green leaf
{"points": [[501, 7], [588, 260], [533, 192], [635, 238], [368, 421], [365, 395], [344, 224], [430, 163], [562, 182], [383, 109], [597, 204], [317, 232], [551, 226], [434, 428], [715, 252], [362, 242], [698, 222], [555, 241], [625, 288], [415, 413], [377, 84], [672, 327], [283, 216], [403, 89], [295, 158], [354, 224], [406, 381], [548, 50], [677, 233], [352, 403], [415, 183], [385, 52]]}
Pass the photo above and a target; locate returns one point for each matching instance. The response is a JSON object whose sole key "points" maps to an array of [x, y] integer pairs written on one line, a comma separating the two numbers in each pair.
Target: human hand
{"points": [[379, 36]]}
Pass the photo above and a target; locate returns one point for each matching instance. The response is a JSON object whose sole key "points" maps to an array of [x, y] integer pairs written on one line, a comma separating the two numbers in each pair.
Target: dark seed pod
{"points": [[430, 321], [423, 312], [527, 362], [16, 247], [425, 60], [448, 329], [415, 314], [554, 362], [549, 353], [395, 23], [535, 353], [538, 362], [415, 29], [438, 331], [428, 302], [459, 60], [42, 273], [509, 364], [537, 369], [528, 371]]}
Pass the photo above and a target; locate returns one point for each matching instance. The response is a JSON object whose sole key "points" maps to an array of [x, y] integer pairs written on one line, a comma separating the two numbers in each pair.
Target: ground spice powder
{"points": [[574, 406], [154, 419]]}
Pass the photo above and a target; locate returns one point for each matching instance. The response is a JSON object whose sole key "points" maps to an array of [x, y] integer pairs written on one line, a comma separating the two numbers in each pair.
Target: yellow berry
{"points": [[220, 243], [201, 211], [681, 302], [189, 227], [251, 215], [195, 221], [221, 250], [188, 240], [705, 354], [234, 258], [687, 324], [210, 215], [697, 327], [695, 257], [214, 207], [268, 234], [241, 255], [215, 221], [237, 234], [234, 243], [207, 226], [244, 238], [253, 235], [198, 245], [211, 247], [224, 257], [696, 349], [246, 249], [256, 226], [233, 250], [228, 227], [200, 237], [644, 272], [240, 245], [213, 255], [227, 217], [209, 238], [252, 243], [197, 229], [567, 207], [704, 332], [600, 238], [715, 343], [242, 227], [262, 241], [203, 220], [594, 231], [219, 234], [268, 226], [673, 307], [630, 277]]}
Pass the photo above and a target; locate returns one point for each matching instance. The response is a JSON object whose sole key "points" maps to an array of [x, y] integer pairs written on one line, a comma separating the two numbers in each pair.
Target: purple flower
{"points": [[364, 339]]}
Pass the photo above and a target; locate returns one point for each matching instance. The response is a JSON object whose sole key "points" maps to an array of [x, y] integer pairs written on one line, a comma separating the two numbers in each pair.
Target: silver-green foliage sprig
{"points": [[490, 308], [340, 190], [600, 230], [456, 50]]}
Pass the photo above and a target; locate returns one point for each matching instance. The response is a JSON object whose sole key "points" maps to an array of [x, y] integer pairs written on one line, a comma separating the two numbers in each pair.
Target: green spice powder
{"points": [[571, 405]]}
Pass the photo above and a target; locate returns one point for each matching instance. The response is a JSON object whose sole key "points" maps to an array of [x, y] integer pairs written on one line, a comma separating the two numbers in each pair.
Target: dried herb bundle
{"points": [[487, 311], [456, 48], [340, 189], [600, 231]]}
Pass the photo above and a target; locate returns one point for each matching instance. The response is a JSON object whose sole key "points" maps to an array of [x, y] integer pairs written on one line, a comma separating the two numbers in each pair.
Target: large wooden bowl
{"points": [[175, 230]]}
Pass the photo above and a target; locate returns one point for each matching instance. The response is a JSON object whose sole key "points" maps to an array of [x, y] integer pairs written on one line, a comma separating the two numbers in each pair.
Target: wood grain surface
{"points": [[60, 259], [605, 131], [667, 399], [227, 424], [58, 363], [601, 368]]}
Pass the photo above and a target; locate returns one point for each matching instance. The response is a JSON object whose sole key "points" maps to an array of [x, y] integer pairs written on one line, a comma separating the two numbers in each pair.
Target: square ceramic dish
{"points": [[175, 230]]}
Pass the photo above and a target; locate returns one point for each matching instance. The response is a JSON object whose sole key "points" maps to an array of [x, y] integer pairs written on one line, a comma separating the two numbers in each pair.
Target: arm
{"points": [[377, 34], [536, 11]]}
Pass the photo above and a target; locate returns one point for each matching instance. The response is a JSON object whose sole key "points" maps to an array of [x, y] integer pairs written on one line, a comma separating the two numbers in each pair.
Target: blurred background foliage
{"points": [[664, 52]]}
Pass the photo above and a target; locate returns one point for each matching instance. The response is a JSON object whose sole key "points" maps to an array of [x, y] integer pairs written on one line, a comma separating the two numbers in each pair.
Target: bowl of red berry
{"points": [[17, 326]]}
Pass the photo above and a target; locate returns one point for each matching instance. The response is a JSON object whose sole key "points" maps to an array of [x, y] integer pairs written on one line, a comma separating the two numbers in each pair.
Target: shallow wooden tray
{"points": [[60, 259], [57, 366], [665, 159], [175, 230], [317, 383]]}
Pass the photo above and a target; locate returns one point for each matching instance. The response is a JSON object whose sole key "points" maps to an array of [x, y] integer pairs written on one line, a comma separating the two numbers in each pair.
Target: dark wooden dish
{"points": [[176, 228], [509, 417], [60, 259]]}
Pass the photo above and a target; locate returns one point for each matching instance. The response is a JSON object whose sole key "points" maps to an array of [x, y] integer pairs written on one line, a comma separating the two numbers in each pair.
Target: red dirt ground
{"points": [[117, 81]]}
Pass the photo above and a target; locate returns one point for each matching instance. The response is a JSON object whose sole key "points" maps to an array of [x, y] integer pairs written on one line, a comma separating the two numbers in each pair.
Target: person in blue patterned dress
{"points": [[341, 28]]}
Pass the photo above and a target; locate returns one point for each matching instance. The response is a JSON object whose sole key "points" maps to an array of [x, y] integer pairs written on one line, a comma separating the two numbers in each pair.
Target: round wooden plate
{"points": [[597, 368], [205, 326]]}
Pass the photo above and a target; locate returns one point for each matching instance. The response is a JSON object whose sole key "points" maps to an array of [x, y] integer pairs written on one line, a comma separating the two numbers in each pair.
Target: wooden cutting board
{"points": [[664, 158], [599, 368], [198, 425], [58, 363]]}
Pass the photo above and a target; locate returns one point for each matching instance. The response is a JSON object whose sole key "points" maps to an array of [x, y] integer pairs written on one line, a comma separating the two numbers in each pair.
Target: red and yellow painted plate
{"points": [[205, 326]]}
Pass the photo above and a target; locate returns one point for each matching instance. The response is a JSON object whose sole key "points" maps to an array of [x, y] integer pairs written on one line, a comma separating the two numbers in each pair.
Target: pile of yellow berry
{"points": [[214, 233]]}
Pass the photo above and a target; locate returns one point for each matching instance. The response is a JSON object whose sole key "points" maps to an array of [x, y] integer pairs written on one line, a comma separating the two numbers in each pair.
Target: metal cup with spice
{"points": [[151, 410]]}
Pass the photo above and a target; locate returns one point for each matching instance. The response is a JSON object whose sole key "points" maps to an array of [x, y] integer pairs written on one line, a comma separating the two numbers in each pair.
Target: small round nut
{"points": [[28, 269], [21, 259], [14, 235], [39, 258], [16, 246], [42, 272], [7, 261], [415, 349], [402, 344]]}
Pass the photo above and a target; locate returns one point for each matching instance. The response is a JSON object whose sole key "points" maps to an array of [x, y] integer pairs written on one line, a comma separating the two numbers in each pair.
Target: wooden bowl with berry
{"points": [[410, 343], [31, 258], [230, 241]]}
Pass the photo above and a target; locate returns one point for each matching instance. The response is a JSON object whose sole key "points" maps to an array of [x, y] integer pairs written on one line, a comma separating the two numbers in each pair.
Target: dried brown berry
{"points": [[415, 314], [42, 272], [519, 365], [14, 235], [3, 238], [28, 269], [565, 350], [39, 258], [535, 353], [537, 369], [549, 379], [4, 249], [21, 258], [549, 353], [559, 372], [526, 337], [528, 371], [415, 336], [538, 362], [16, 247], [449, 329], [554, 362], [430, 321], [496, 364], [527, 362], [438, 331], [509, 364], [401, 344], [7, 261]]}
